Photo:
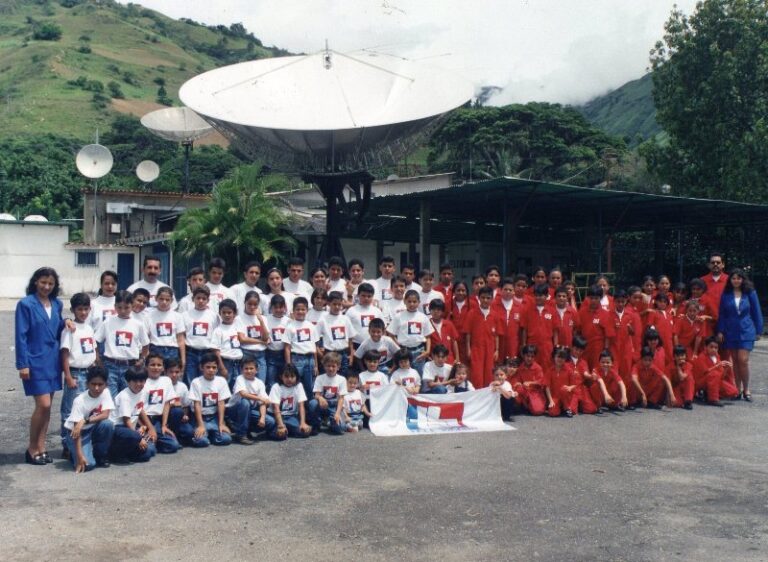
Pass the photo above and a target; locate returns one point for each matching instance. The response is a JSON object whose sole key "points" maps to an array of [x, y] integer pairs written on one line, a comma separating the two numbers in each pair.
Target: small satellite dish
{"points": [[176, 124], [147, 171], [393, 177], [94, 161], [35, 218], [7, 217]]}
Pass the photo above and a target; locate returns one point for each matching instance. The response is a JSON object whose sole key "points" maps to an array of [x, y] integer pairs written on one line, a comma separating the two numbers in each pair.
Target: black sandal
{"points": [[37, 460], [747, 397], [46, 457]]}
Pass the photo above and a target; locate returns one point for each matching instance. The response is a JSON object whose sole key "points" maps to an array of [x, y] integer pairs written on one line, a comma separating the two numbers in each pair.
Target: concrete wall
{"points": [[24, 247]]}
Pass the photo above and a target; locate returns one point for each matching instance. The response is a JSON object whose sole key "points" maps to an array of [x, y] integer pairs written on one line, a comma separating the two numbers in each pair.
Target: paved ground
{"points": [[643, 485]]}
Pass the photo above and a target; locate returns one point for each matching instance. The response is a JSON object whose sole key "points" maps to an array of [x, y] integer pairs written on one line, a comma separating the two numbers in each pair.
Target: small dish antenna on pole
{"points": [[94, 161], [147, 171]]}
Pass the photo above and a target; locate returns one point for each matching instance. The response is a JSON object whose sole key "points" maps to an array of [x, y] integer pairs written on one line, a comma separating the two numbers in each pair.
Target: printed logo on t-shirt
{"points": [[386, 294], [155, 396], [199, 328], [365, 319], [303, 334], [253, 332], [138, 407], [355, 406], [595, 320], [95, 412], [547, 316], [414, 328], [338, 333], [210, 399], [234, 342], [277, 334], [107, 312], [408, 381], [164, 329], [86, 345], [330, 391], [123, 338], [287, 404]]}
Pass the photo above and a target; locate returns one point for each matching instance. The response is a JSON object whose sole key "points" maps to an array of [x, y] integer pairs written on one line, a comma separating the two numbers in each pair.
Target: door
{"points": [[125, 264]]}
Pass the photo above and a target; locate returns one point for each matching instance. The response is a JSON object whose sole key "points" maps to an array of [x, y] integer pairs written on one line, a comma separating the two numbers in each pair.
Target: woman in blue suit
{"points": [[739, 324], [38, 327]]}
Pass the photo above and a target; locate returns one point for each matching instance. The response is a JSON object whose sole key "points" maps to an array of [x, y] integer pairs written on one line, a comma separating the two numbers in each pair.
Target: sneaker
{"points": [[352, 429], [103, 463], [688, 405], [568, 414], [243, 440]]}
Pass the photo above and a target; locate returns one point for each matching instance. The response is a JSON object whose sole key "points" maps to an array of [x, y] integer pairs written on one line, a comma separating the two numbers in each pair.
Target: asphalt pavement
{"points": [[643, 485]]}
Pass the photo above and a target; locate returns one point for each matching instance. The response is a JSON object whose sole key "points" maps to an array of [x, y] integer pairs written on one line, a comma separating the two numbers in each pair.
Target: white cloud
{"points": [[565, 51]]}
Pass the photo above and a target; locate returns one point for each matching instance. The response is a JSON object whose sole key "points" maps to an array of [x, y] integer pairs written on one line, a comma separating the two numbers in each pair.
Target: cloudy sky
{"points": [[565, 51]]}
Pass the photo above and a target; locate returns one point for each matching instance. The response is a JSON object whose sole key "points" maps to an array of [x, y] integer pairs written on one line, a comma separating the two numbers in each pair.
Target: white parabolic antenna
{"points": [[35, 218], [94, 161], [330, 109], [176, 124], [147, 171]]}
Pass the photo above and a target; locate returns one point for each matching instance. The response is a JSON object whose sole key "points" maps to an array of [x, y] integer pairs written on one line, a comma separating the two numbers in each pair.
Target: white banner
{"points": [[395, 412]]}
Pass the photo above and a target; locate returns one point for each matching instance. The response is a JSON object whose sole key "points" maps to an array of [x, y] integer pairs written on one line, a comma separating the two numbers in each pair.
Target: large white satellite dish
{"points": [[94, 161], [329, 110], [147, 171], [176, 124]]}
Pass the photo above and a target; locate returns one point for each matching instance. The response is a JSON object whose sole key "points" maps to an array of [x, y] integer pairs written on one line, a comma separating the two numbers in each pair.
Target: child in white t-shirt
{"points": [[166, 327], [179, 417], [126, 342], [209, 394], [255, 334], [396, 304], [427, 293], [330, 389], [277, 322], [289, 406], [226, 341], [103, 306], [195, 279], [437, 373], [507, 396], [319, 302], [199, 324], [219, 292], [89, 430], [78, 352], [460, 374], [135, 436], [377, 341], [404, 375], [355, 410], [363, 312], [247, 409], [336, 331], [160, 397], [411, 329], [301, 341]]}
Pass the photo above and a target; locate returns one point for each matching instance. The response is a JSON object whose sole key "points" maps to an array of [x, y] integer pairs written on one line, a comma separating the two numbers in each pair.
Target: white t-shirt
{"points": [[123, 338], [331, 388], [436, 374], [426, 298], [209, 393], [361, 317], [267, 299], [255, 386], [315, 316], [101, 309], [159, 391], [225, 339], [199, 326], [413, 286], [85, 406], [288, 398], [239, 291], [335, 330], [276, 327], [411, 328], [302, 336], [299, 289], [392, 308], [386, 347], [353, 403], [164, 327], [220, 292], [186, 303], [340, 285], [143, 317], [128, 405], [81, 345], [181, 393], [383, 289], [407, 377], [252, 328], [152, 288], [376, 379]]}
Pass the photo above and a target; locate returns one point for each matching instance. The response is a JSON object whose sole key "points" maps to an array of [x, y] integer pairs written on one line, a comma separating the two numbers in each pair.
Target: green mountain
{"points": [[627, 112], [70, 66]]}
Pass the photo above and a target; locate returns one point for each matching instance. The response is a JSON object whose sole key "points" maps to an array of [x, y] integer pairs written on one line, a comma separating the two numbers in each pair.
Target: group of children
{"points": [[226, 363]]}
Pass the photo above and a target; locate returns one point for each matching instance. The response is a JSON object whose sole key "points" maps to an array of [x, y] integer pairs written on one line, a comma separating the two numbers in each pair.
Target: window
{"points": [[86, 258]]}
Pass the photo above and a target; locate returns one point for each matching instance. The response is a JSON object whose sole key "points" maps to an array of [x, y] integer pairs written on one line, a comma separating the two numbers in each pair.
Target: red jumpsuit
{"points": [[565, 399], [650, 379], [687, 332], [509, 345], [446, 335], [598, 328], [532, 398], [716, 382], [623, 350], [663, 322], [457, 316], [683, 387], [565, 325], [539, 327], [482, 331], [611, 380]]}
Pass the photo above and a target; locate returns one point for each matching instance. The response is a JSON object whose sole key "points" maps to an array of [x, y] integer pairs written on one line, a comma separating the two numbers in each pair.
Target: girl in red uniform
{"points": [[493, 280], [713, 375], [660, 319], [624, 351], [510, 312], [681, 376], [652, 341], [596, 326], [566, 387], [458, 313], [483, 328], [689, 329], [538, 327], [539, 277], [445, 332], [708, 310], [680, 296], [565, 318], [652, 384], [555, 280], [528, 381]]}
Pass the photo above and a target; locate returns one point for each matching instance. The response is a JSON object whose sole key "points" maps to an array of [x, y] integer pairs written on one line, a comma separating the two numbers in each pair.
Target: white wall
{"points": [[25, 247]]}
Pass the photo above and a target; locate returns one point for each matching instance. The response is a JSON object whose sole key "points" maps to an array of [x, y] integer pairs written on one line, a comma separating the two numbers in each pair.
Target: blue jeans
{"points": [[275, 366], [330, 411], [245, 416], [185, 431], [166, 444], [292, 425], [344, 367], [166, 351], [434, 390], [305, 365], [68, 397], [116, 375], [95, 440], [261, 363], [415, 352], [125, 446], [213, 435], [192, 366], [233, 370]]}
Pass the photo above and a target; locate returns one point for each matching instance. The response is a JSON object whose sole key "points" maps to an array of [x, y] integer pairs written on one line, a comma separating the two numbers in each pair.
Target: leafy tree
{"points": [[711, 93], [240, 223], [537, 140], [46, 31], [115, 90], [162, 96]]}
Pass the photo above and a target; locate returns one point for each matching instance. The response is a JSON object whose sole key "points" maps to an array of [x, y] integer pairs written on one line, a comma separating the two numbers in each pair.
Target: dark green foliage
{"points": [[162, 96], [46, 31], [114, 90], [711, 92]]}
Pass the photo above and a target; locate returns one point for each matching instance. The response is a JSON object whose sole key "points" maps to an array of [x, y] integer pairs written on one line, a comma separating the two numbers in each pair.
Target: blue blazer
{"points": [[37, 337], [744, 324]]}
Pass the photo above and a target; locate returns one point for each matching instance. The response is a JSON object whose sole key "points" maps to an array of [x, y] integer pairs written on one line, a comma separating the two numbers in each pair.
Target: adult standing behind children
{"points": [[150, 281], [716, 280], [739, 324], [38, 327]]}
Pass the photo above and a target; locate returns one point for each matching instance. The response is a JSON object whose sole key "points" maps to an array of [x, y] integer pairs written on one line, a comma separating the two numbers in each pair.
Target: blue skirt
{"points": [[738, 344], [37, 386]]}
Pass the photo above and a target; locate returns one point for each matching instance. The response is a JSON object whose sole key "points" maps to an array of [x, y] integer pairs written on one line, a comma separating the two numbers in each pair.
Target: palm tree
{"points": [[240, 223]]}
